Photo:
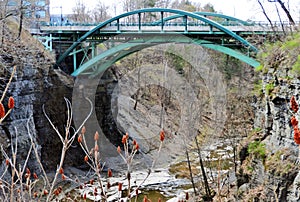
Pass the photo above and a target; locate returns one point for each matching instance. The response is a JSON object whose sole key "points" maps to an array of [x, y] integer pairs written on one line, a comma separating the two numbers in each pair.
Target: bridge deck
{"points": [[113, 29], [215, 31]]}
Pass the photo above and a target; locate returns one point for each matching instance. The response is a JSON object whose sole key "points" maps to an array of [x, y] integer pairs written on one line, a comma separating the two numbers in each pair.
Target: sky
{"points": [[242, 9]]}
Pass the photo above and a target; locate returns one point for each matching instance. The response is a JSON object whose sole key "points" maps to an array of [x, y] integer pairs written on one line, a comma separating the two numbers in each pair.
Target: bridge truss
{"points": [[129, 33]]}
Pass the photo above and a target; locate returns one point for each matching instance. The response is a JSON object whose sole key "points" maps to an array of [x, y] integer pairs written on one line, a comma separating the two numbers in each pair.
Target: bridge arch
{"points": [[118, 52], [178, 13]]}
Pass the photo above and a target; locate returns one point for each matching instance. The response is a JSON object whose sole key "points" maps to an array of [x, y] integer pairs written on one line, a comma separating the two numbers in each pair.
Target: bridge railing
{"points": [[275, 23], [179, 23], [174, 24]]}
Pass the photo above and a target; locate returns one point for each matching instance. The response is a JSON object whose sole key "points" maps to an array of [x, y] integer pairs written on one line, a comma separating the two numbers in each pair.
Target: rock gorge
{"points": [[259, 115]]}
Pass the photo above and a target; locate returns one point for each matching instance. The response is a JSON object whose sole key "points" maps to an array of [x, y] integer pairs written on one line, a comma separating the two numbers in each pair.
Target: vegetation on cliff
{"points": [[270, 161]]}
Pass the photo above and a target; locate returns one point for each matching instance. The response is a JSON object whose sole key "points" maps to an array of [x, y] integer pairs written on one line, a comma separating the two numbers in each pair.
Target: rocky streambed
{"points": [[172, 182]]}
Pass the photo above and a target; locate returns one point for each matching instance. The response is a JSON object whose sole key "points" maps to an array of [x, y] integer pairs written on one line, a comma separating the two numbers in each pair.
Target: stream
{"points": [[171, 183]]}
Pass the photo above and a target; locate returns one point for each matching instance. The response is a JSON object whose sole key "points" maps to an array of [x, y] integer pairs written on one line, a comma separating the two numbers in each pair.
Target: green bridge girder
{"points": [[162, 38], [118, 52]]}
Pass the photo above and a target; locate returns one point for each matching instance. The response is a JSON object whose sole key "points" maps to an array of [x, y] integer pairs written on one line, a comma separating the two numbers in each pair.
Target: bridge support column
{"points": [[139, 14], [162, 21], [74, 54], [74, 60], [50, 43], [185, 24], [94, 51], [118, 26]]}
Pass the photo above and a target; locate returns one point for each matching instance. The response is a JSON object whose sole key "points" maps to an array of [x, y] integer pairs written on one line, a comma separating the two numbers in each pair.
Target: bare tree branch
{"points": [[266, 15], [286, 12], [282, 25]]}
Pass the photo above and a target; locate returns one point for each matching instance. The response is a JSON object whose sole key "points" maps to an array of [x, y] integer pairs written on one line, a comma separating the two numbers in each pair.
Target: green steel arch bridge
{"points": [[129, 33]]}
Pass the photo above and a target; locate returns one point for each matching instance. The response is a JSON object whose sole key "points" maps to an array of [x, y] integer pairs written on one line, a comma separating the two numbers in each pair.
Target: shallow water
{"points": [[153, 195]]}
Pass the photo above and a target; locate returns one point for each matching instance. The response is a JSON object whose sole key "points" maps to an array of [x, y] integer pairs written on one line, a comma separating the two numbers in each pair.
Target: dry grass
{"points": [[26, 37]]}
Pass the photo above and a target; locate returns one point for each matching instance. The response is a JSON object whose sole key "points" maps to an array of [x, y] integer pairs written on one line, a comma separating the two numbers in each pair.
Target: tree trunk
{"points": [[206, 185], [3, 16], [266, 15], [190, 169], [282, 25], [136, 64], [21, 19], [286, 12]]}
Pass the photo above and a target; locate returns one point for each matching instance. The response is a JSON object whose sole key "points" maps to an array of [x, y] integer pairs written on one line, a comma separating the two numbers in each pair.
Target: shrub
{"points": [[257, 149], [269, 88], [279, 163], [296, 67], [258, 89]]}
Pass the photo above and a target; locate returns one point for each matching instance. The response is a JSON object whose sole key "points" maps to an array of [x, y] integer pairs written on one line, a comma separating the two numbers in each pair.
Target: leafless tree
{"points": [[130, 5], [184, 5], [99, 13], [80, 13], [209, 8], [20, 19], [205, 181], [163, 3], [284, 8], [136, 64], [23, 11], [279, 17], [3, 11], [265, 14], [3, 16]]}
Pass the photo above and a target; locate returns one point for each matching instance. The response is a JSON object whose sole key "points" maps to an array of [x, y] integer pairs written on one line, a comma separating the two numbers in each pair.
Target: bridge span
{"points": [[130, 32]]}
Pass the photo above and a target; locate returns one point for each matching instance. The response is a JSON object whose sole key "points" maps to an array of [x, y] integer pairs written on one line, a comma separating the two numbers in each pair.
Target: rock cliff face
{"points": [[129, 98], [269, 154], [34, 85]]}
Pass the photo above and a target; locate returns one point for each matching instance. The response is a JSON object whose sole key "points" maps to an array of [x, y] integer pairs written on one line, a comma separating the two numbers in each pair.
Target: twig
{"points": [[52, 125], [95, 164], [65, 141], [150, 169], [13, 172], [33, 143], [8, 84], [7, 113], [84, 121]]}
